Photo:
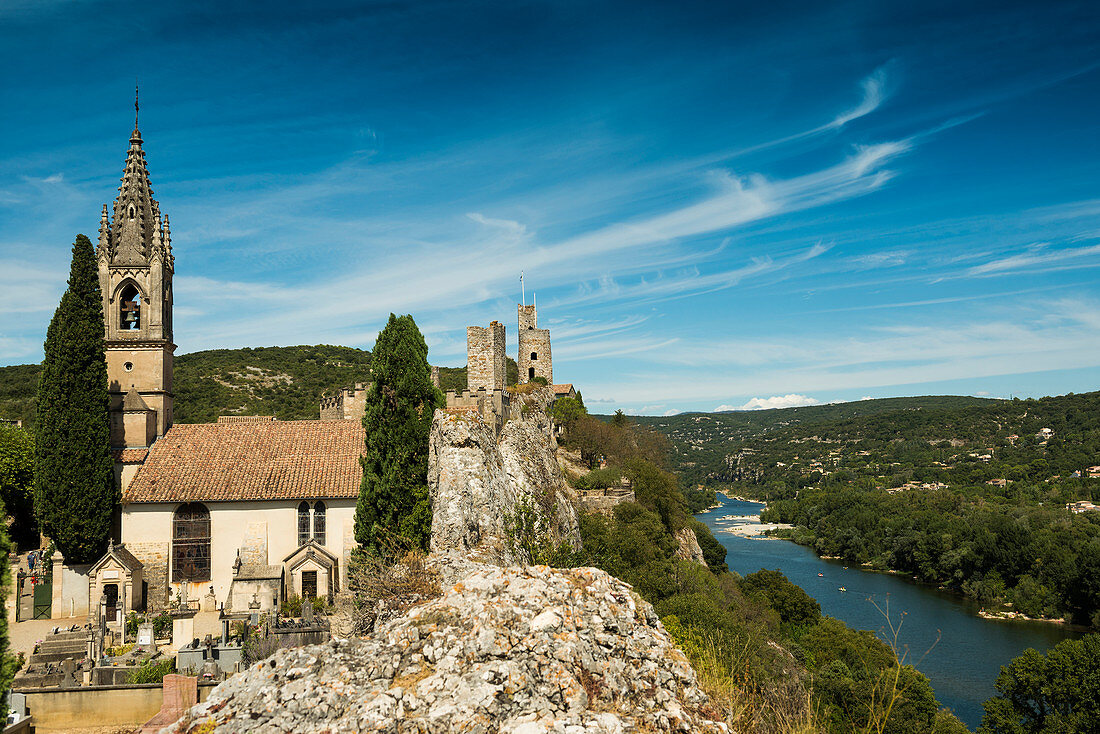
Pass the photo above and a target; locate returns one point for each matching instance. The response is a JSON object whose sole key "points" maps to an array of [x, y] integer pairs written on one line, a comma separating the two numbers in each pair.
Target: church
{"points": [[246, 510], [234, 516]]}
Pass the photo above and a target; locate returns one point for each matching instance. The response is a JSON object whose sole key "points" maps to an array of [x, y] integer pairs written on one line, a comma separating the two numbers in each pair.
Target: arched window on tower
{"points": [[303, 523], [534, 355], [191, 543], [319, 522], [129, 308], [530, 373]]}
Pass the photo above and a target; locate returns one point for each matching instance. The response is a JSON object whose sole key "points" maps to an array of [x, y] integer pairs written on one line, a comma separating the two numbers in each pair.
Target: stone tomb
{"points": [[115, 586]]}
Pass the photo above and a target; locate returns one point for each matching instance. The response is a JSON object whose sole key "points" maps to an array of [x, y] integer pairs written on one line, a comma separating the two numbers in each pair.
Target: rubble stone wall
{"points": [[485, 357]]}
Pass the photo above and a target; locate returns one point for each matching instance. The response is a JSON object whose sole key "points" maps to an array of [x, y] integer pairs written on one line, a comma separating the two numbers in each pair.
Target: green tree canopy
{"points": [[17, 482], [1045, 694], [393, 498], [794, 605], [74, 489], [8, 662]]}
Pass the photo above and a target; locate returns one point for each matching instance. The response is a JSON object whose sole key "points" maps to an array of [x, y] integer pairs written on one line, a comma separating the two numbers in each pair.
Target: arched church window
{"points": [[534, 355], [129, 308], [319, 522], [303, 523], [191, 543], [132, 212]]}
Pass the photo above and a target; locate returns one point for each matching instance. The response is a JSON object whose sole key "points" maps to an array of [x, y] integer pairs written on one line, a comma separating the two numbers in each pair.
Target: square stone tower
{"points": [[486, 366], [135, 276], [534, 347]]}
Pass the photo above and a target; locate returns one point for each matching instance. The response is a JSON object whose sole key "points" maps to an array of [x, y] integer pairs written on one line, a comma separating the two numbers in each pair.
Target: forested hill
{"points": [[286, 382], [706, 446]]}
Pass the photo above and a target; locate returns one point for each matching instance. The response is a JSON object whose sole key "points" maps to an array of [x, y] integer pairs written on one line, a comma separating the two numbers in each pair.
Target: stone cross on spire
{"points": [[135, 105]]}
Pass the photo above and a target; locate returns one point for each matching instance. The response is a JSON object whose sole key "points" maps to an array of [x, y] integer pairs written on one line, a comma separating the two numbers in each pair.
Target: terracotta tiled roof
{"points": [[130, 456], [211, 462], [563, 389]]}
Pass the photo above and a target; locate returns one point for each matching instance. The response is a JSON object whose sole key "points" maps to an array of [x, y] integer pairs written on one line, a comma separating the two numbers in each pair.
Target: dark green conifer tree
{"points": [[74, 488], [393, 498]]}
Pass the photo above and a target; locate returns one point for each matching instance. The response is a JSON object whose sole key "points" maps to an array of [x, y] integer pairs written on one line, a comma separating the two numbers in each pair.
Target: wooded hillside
{"points": [[286, 382]]}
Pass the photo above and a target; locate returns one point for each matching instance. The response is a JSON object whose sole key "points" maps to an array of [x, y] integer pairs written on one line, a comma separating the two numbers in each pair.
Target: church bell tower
{"points": [[135, 276]]}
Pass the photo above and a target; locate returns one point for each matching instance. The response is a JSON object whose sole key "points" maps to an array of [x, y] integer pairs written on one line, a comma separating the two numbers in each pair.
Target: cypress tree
{"points": [[393, 498], [74, 490]]}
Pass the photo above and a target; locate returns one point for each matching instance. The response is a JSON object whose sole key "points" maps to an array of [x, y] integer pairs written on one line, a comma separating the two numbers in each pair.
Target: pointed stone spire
{"points": [[135, 211], [167, 238], [104, 234]]}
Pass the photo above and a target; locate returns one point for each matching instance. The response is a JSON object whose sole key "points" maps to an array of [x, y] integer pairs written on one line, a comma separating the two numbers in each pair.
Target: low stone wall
{"points": [[102, 706], [604, 500]]}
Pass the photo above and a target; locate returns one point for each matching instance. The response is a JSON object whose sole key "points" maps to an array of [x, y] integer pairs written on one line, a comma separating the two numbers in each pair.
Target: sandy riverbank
{"points": [[1017, 616]]}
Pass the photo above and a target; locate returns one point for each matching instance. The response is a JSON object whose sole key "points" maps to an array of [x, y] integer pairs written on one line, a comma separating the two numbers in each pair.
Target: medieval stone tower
{"points": [[534, 347], [485, 357], [135, 275]]}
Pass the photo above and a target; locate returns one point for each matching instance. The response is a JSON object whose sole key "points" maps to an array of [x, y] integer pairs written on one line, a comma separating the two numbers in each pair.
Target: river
{"points": [[965, 662]]}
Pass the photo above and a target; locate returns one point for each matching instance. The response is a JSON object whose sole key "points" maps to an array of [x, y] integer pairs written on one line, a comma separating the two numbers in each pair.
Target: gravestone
{"points": [[145, 640], [68, 674], [307, 610]]}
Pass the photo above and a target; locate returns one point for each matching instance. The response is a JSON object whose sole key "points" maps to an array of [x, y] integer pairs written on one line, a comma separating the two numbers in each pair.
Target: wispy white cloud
{"points": [[874, 93], [1040, 336], [457, 278], [1038, 257]]}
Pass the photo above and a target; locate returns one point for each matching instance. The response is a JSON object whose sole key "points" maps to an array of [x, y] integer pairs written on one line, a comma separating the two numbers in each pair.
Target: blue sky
{"points": [[717, 204]]}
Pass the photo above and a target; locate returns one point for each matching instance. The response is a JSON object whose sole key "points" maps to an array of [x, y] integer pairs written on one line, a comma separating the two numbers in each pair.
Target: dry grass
{"points": [[736, 696], [384, 589]]}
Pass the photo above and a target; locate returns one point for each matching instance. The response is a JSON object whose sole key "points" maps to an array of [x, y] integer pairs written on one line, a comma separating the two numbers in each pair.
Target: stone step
{"points": [[80, 634], [57, 657], [52, 645]]}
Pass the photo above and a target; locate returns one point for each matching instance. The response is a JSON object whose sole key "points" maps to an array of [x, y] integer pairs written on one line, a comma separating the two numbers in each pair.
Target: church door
{"points": [[309, 584]]}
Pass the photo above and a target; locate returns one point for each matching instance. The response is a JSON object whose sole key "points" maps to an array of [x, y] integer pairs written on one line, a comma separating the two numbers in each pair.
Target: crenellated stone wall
{"points": [[348, 404]]}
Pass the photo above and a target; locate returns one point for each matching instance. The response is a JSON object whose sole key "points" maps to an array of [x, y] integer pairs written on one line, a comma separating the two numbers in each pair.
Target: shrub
{"points": [[152, 671], [381, 588], [162, 625], [291, 607]]}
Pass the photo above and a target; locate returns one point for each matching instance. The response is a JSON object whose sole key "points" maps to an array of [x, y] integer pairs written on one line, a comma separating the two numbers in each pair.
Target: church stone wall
{"points": [[154, 558], [485, 357]]}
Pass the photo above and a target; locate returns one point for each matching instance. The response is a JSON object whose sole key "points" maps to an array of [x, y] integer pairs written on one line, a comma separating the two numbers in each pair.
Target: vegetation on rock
{"points": [[393, 498], [75, 491]]}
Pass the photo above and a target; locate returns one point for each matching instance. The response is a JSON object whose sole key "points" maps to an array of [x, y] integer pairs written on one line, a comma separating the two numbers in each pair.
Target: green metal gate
{"points": [[43, 600]]}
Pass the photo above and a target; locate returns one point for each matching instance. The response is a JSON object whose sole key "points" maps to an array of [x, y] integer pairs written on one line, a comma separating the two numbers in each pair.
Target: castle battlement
{"points": [[491, 405], [349, 403]]}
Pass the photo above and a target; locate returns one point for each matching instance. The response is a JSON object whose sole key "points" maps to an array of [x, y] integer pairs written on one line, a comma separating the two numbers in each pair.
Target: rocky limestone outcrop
{"points": [[480, 484], [689, 549], [512, 650]]}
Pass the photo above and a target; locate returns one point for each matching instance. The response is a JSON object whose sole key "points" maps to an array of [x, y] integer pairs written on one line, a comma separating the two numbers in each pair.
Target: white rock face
{"points": [[689, 549], [479, 484], [512, 650]]}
